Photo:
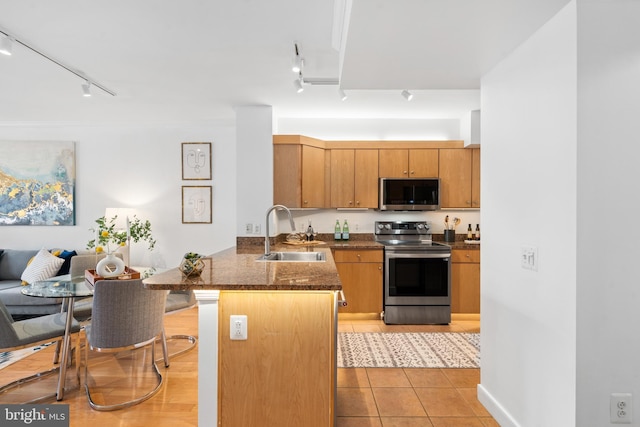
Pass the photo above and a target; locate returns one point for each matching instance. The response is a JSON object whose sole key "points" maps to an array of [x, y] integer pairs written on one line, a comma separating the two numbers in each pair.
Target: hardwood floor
{"points": [[366, 397]]}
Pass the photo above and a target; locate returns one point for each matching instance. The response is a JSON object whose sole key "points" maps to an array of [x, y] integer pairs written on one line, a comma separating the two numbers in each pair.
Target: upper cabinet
{"points": [[354, 178], [298, 175], [475, 178], [460, 178], [310, 173], [408, 163]]}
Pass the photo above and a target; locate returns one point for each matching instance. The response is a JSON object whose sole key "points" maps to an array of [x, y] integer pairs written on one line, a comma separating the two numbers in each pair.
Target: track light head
{"points": [[6, 45], [86, 89], [343, 95], [298, 62], [297, 83], [407, 95]]}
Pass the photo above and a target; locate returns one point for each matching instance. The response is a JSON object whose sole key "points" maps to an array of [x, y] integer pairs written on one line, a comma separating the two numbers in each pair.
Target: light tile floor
{"points": [[409, 397]]}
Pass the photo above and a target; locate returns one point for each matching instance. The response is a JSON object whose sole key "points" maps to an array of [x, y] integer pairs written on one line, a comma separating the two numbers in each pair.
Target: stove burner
{"points": [[407, 235]]}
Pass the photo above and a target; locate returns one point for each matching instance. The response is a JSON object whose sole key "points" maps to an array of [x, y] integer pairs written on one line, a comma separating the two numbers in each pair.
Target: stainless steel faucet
{"points": [[267, 245]]}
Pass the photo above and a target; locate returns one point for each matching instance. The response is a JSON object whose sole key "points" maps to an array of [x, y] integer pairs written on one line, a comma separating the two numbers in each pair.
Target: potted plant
{"points": [[106, 234]]}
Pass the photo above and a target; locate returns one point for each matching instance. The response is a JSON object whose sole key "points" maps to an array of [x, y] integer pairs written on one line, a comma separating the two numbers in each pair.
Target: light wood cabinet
{"points": [[475, 178], [283, 374], [299, 176], [455, 178], [408, 163], [354, 178], [360, 272], [465, 281]]}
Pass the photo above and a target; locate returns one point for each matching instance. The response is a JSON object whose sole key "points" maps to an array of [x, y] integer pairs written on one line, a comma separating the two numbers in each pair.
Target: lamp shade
{"points": [[122, 215]]}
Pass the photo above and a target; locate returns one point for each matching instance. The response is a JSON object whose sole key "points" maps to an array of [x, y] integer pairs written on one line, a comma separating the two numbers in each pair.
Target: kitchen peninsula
{"points": [[284, 373]]}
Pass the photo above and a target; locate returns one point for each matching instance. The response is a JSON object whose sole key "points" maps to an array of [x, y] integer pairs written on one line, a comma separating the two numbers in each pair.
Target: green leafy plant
{"points": [[107, 235]]}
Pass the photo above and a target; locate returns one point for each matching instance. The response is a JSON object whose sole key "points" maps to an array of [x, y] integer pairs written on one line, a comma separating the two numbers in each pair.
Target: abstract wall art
{"points": [[37, 183], [196, 160], [196, 204]]}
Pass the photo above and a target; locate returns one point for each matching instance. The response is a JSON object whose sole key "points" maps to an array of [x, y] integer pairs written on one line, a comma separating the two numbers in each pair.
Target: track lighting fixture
{"points": [[298, 83], [6, 41], [342, 93], [298, 65], [407, 95], [86, 89], [6, 45], [298, 62]]}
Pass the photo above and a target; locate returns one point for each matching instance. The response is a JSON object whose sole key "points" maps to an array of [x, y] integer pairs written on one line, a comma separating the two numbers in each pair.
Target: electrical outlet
{"points": [[256, 228], [248, 228], [620, 408], [238, 327]]}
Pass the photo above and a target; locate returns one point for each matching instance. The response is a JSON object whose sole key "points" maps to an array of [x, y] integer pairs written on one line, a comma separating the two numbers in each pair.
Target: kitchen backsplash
{"points": [[362, 221]]}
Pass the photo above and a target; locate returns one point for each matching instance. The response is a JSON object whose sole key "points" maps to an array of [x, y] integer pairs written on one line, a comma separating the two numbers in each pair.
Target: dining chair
{"points": [[125, 316], [15, 335], [79, 264], [178, 301]]}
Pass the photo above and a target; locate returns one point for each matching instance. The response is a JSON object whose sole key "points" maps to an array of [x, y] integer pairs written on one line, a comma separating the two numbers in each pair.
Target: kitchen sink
{"points": [[294, 257]]}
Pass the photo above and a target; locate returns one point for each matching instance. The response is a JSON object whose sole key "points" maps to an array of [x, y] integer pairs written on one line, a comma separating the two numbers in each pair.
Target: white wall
{"points": [[254, 168], [390, 129], [136, 166], [528, 189], [608, 309]]}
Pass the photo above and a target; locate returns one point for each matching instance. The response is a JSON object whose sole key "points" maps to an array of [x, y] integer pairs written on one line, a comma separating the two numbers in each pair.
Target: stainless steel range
{"points": [[417, 274]]}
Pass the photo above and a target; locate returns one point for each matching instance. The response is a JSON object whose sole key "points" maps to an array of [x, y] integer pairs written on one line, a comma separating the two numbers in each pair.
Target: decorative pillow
{"points": [[43, 266], [66, 256]]}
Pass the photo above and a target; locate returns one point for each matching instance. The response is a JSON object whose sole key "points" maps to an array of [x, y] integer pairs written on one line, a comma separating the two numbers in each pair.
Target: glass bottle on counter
{"points": [[345, 231], [477, 231], [337, 234], [469, 233], [309, 232]]}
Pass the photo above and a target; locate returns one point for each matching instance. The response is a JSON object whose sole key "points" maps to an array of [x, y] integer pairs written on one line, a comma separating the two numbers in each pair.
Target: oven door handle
{"points": [[416, 254]]}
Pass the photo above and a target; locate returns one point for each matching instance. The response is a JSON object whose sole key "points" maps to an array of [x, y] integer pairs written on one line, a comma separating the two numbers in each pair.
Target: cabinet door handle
{"points": [[413, 172], [404, 172], [350, 202], [306, 202]]}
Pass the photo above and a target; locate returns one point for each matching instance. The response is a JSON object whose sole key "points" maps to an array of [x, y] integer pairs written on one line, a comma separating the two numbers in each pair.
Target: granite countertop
{"points": [[237, 269]]}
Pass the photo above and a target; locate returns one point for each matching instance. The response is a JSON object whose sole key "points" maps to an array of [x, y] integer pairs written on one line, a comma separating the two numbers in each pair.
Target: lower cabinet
{"points": [[465, 281], [360, 272]]}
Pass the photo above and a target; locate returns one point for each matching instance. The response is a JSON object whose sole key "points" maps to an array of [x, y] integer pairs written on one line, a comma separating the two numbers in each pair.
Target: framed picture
{"points": [[196, 204], [37, 182], [196, 160]]}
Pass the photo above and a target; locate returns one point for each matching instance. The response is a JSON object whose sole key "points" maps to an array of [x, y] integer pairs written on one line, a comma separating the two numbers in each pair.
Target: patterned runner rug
{"points": [[9, 357], [408, 350]]}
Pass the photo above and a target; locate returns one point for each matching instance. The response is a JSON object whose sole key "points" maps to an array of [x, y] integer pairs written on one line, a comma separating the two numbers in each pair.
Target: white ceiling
{"points": [[195, 60]]}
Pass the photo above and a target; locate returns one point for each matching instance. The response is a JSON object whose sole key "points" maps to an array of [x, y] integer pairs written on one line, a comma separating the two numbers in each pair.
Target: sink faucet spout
{"points": [[267, 245]]}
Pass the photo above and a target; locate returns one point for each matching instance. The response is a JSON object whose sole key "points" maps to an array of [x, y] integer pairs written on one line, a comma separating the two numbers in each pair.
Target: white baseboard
{"points": [[495, 409]]}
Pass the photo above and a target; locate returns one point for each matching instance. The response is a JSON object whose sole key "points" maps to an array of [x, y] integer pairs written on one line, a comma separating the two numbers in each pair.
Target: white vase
{"points": [[110, 266]]}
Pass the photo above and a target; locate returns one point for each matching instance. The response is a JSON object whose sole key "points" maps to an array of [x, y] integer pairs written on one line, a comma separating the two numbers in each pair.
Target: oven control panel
{"points": [[402, 227]]}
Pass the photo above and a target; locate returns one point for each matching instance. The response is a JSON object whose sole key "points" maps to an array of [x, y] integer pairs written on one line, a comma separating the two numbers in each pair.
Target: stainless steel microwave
{"points": [[409, 194]]}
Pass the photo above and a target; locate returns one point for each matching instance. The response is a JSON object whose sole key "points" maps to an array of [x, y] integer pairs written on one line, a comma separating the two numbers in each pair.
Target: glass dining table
{"points": [[69, 289]]}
